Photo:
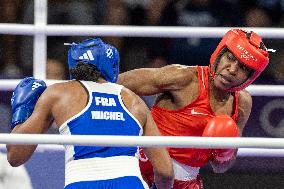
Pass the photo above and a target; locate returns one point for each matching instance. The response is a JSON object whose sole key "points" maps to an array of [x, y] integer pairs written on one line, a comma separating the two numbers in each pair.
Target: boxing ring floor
{"points": [[260, 162]]}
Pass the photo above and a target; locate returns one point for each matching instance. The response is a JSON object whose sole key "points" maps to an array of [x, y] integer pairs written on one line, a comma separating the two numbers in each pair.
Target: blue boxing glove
{"points": [[24, 99]]}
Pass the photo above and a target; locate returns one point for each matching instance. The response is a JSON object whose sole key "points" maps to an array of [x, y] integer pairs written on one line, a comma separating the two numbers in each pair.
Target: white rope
{"points": [[40, 30], [145, 141], [266, 90], [255, 90], [254, 152], [129, 31], [10, 84], [242, 152]]}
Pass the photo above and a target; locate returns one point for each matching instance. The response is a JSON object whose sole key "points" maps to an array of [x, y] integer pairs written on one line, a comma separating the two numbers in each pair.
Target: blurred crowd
{"points": [[16, 52]]}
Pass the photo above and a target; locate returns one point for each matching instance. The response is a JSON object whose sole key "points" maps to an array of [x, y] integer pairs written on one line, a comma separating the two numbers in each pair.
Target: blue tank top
{"points": [[105, 114]]}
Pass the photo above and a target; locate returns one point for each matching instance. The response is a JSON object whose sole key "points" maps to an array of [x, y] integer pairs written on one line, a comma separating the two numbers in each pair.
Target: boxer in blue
{"points": [[90, 104]]}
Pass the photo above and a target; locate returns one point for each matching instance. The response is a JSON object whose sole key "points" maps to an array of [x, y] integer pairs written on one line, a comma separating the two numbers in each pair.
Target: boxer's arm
{"points": [[39, 122], [244, 110], [149, 81], [159, 157]]}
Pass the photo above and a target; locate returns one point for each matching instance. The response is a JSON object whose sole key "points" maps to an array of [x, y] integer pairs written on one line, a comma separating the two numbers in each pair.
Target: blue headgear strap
{"points": [[95, 52]]}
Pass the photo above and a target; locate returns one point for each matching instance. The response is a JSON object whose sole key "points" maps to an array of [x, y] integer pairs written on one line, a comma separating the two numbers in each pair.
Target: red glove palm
{"points": [[221, 126]]}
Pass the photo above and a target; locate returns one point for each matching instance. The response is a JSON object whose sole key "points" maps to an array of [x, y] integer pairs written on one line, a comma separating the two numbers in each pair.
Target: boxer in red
{"points": [[202, 101]]}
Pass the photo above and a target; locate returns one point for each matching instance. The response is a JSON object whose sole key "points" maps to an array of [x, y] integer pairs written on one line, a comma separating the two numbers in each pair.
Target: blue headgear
{"points": [[95, 52]]}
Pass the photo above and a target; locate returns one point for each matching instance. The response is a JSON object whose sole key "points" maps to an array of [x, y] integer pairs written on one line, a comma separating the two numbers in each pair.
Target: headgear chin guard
{"points": [[95, 52], [248, 48]]}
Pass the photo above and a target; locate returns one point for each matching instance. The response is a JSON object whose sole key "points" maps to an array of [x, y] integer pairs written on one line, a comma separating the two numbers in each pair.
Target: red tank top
{"points": [[190, 121]]}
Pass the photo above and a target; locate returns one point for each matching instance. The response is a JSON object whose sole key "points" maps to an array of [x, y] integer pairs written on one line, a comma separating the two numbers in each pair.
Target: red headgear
{"points": [[248, 48]]}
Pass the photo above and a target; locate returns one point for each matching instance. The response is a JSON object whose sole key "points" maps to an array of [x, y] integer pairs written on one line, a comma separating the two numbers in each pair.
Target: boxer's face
{"points": [[230, 72]]}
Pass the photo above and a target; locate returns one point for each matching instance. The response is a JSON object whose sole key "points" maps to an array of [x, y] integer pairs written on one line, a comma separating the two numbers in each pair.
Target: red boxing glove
{"points": [[221, 126]]}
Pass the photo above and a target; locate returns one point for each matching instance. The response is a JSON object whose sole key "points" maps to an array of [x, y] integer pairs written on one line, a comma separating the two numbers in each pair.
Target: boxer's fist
{"points": [[221, 126], [24, 99]]}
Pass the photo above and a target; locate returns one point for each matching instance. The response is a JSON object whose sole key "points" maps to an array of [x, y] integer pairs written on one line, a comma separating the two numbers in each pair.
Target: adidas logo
{"points": [[36, 85], [109, 53], [87, 56]]}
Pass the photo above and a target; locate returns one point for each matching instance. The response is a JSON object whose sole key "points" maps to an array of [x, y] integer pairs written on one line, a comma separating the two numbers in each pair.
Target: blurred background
{"points": [[16, 62]]}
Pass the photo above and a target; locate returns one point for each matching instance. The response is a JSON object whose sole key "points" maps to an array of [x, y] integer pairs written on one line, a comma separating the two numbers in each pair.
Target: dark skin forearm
{"points": [[19, 154], [244, 109]]}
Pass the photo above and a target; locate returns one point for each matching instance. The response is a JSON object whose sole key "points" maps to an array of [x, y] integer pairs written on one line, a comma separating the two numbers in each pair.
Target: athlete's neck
{"points": [[219, 95]]}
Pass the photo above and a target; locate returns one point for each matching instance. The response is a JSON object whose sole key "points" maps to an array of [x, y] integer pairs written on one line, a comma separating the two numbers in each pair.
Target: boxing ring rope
{"points": [[130, 31], [271, 147], [255, 90], [242, 152], [40, 30], [145, 141]]}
